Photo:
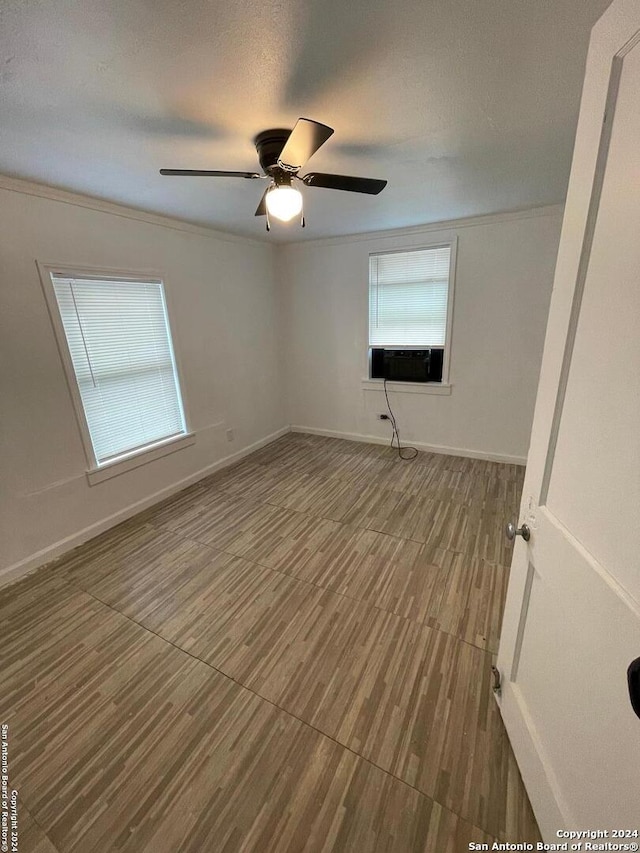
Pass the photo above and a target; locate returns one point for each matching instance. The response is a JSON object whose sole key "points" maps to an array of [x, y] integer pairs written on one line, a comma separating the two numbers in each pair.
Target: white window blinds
{"points": [[120, 345], [408, 294]]}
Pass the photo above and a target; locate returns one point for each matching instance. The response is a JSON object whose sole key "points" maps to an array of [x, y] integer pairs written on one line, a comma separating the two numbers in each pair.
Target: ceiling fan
{"points": [[282, 153]]}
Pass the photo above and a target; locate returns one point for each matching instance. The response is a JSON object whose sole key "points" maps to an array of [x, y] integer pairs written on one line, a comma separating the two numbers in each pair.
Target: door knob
{"points": [[512, 531]]}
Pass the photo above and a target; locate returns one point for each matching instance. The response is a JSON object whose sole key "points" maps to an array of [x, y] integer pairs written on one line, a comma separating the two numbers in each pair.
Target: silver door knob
{"points": [[512, 531]]}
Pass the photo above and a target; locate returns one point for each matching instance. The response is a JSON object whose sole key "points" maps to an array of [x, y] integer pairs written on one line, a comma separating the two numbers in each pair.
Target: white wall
{"points": [[265, 335], [224, 313], [503, 285]]}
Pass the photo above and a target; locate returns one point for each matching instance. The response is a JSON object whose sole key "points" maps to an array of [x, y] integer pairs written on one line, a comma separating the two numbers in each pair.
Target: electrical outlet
{"points": [[229, 435]]}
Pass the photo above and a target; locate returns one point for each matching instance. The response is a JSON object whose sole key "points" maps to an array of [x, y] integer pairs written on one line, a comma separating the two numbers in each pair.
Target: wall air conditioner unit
{"points": [[407, 365]]}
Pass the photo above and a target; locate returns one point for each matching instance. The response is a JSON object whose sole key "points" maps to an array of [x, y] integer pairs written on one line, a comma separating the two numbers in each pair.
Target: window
{"points": [[121, 357], [409, 297]]}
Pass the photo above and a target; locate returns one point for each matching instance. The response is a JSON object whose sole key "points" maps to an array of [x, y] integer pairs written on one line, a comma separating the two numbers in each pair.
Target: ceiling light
{"points": [[284, 202]]}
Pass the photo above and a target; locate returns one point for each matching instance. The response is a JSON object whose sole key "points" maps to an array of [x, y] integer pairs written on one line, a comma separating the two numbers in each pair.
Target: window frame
{"points": [[95, 472], [452, 244]]}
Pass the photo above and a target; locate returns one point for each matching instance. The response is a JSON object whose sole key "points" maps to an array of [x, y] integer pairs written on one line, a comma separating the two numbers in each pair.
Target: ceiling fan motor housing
{"points": [[269, 145]]}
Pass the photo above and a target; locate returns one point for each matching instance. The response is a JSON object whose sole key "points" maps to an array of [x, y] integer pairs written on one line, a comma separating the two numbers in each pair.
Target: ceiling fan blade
{"points": [[371, 186], [261, 210], [209, 174], [305, 139]]}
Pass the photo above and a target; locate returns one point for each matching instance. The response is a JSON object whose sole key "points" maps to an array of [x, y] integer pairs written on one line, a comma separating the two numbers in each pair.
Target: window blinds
{"points": [[120, 346], [408, 293]]}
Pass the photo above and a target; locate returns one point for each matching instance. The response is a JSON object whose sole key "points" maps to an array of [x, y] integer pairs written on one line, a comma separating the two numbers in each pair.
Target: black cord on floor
{"points": [[395, 433]]}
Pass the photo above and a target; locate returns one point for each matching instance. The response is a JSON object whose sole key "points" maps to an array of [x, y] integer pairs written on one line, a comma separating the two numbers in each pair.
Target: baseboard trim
{"points": [[41, 558], [420, 445]]}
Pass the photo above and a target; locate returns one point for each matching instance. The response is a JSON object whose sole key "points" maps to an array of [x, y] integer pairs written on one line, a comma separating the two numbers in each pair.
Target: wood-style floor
{"points": [[291, 655]]}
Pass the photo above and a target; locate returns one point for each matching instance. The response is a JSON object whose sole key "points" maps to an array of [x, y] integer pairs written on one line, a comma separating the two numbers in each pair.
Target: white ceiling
{"points": [[465, 106]]}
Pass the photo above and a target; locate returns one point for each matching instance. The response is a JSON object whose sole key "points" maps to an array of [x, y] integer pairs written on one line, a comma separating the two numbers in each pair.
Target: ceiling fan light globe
{"points": [[284, 203]]}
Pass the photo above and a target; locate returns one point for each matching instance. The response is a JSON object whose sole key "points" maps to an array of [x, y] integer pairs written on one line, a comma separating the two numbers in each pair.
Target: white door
{"points": [[572, 619]]}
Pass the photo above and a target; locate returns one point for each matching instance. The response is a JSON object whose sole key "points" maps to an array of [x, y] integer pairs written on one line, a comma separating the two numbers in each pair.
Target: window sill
{"points": [[119, 466], [442, 389]]}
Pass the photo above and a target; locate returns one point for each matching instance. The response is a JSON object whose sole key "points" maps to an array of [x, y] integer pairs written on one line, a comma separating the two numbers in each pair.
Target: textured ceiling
{"points": [[465, 106]]}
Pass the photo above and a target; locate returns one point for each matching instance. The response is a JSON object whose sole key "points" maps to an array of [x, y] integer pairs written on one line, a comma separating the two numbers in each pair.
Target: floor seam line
{"points": [[281, 709], [40, 827], [420, 542], [333, 591]]}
